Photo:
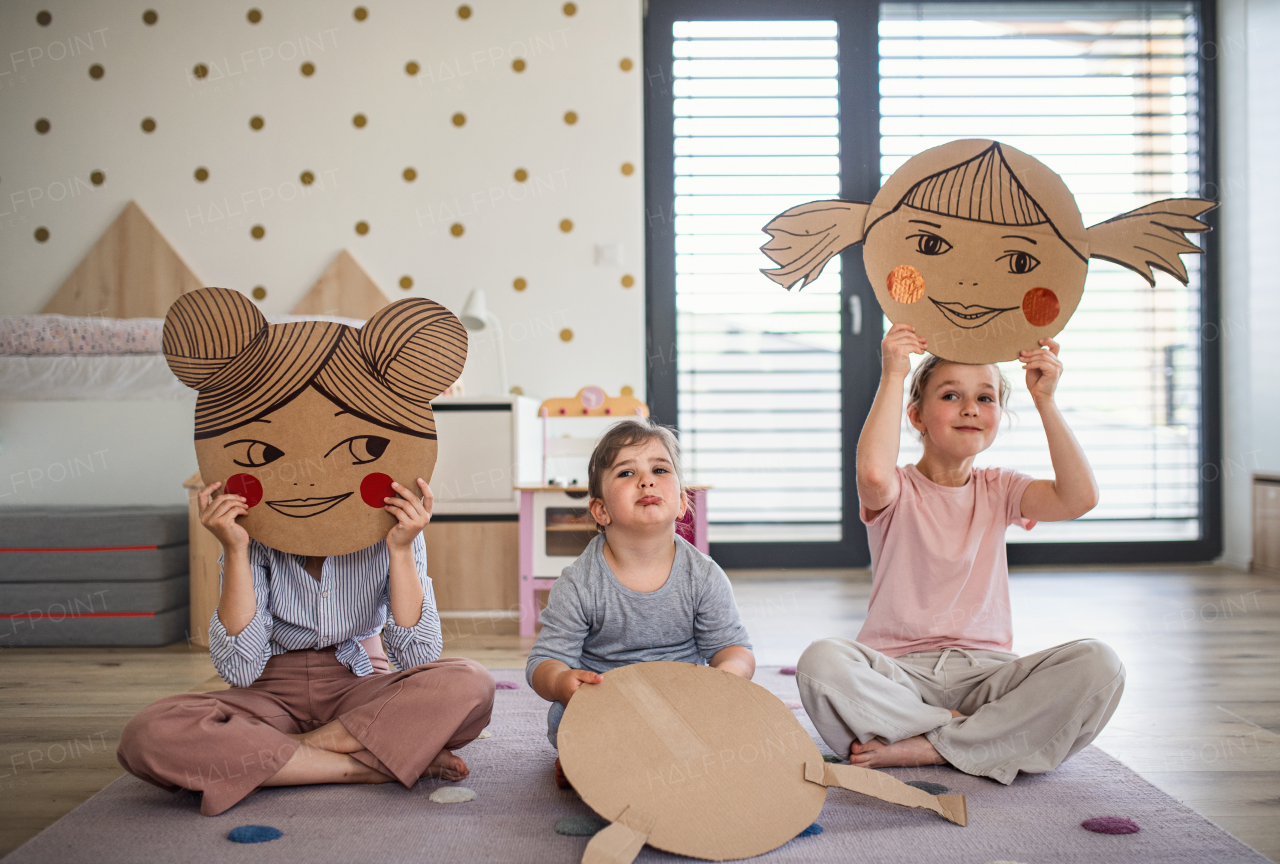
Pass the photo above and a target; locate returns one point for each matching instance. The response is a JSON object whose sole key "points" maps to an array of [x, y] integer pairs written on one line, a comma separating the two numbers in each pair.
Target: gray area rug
{"points": [[1036, 820]]}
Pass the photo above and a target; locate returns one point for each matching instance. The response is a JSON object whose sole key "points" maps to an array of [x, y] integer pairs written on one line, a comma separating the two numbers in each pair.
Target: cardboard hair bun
{"points": [[206, 329], [416, 347]]}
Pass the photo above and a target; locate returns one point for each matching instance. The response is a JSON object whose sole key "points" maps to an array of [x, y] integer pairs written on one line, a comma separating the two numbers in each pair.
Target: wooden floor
{"points": [[1200, 717]]}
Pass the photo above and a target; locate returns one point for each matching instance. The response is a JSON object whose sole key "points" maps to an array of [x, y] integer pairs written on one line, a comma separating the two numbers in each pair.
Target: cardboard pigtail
{"points": [[805, 238], [1151, 236], [621, 841], [877, 784]]}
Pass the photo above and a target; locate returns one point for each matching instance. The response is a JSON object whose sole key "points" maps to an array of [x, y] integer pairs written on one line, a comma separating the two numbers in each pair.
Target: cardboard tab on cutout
{"points": [[979, 247], [311, 421], [621, 841], [718, 763], [878, 784]]}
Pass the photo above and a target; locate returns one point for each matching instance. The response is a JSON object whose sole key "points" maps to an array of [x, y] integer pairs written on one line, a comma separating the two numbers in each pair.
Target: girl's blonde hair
{"points": [[920, 381], [624, 434]]}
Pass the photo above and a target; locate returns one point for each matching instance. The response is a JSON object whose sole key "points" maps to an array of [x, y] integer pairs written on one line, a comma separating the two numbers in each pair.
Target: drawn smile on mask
{"points": [[969, 317]]}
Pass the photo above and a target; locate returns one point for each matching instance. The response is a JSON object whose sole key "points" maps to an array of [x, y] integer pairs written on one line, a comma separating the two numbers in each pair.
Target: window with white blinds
{"points": [[756, 132], [1104, 94]]}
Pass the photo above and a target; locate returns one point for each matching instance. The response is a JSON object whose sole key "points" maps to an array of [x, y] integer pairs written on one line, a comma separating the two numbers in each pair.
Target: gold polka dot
{"points": [[464, 12], [359, 120], [97, 178], [406, 282], [628, 169], [571, 117], [148, 125], [254, 16], [308, 68], [566, 225], [150, 17], [459, 119], [410, 175], [625, 64], [256, 122], [42, 234], [259, 293], [202, 174], [360, 13], [521, 175], [43, 18], [628, 281], [362, 228], [42, 126], [96, 71], [516, 390], [518, 64], [200, 70], [519, 284], [570, 8], [307, 178], [258, 232], [627, 391], [456, 229], [411, 68], [566, 335]]}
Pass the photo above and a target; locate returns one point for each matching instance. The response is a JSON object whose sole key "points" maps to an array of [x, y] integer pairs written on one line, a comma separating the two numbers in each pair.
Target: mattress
{"points": [[124, 629], [59, 599], [92, 544]]}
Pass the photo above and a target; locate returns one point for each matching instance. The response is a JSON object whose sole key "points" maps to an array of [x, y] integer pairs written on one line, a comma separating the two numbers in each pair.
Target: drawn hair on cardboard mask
{"points": [[989, 236], [301, 416]]}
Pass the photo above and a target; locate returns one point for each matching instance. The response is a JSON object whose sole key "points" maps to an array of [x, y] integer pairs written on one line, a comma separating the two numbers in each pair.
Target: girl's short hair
{"points": [[628, 433], [920, 381]]}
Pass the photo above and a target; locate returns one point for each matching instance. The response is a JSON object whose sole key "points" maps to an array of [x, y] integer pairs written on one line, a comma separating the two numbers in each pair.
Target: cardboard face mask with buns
{"points": [[311, 421], [979, 246]]}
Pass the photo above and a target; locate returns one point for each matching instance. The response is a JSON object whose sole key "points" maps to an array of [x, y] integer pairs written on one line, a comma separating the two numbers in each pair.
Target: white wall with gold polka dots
{"points": [[495, 144]]}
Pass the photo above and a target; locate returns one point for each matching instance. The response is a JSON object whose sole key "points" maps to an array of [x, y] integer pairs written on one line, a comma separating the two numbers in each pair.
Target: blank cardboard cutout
{"points": [[979, 247], [311, 421], [701, 762]]}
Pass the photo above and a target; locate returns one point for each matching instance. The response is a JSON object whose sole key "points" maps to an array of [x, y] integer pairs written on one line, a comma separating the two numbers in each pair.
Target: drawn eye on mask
{"points": [[252, 454], [362, 449]]}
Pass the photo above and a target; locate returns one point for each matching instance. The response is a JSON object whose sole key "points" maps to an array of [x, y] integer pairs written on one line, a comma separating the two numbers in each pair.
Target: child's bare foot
{"points": [[907, 753], [446, 766]]}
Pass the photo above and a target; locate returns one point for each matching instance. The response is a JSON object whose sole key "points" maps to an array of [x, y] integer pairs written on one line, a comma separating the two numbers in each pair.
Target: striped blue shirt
{"points": [[350, 602]]}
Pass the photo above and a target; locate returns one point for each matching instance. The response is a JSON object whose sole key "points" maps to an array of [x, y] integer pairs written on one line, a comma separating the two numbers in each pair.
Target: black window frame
{"points": [[859, 96]]}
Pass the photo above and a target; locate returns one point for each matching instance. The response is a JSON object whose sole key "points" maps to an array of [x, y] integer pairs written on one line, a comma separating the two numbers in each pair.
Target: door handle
{"points": [[855, 314]]}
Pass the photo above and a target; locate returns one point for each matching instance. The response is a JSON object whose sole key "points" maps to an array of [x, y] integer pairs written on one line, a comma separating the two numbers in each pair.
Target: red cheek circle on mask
{"points": [[244, 484], [906, 285], [1041, 307], [376, 487]]}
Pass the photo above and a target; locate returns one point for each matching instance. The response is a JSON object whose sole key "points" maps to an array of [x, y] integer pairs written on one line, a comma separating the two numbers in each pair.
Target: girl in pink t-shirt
{"points": [[932, 678]]}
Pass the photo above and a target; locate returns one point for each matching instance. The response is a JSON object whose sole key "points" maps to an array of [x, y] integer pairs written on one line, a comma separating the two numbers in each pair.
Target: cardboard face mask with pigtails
{"points": [[979, 246], [311, 420]]}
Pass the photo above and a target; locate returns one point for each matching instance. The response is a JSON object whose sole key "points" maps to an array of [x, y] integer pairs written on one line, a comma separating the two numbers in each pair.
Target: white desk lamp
{"points": [[476, 317]]}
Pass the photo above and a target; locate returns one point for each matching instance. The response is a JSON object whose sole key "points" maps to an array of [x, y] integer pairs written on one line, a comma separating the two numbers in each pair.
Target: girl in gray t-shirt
{"points": [[638, 592]]}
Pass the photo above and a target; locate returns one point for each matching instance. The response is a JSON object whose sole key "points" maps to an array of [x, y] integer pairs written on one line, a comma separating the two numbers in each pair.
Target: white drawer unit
{"points": [[488, 447]]}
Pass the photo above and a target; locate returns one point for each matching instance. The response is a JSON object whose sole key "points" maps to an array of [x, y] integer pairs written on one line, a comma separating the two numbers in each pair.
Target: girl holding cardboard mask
{"points": [[321, 438]]}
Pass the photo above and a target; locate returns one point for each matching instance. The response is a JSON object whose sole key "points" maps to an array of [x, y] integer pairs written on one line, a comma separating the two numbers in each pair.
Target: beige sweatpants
{"points": [[1023, 713]]}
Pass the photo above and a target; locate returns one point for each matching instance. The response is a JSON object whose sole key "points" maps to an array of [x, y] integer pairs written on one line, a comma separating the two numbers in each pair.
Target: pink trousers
{"points": [[225, 744]]}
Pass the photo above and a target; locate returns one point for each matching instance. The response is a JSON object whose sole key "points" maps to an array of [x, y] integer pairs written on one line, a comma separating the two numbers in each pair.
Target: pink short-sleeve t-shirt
{"points": [[940, 576]]}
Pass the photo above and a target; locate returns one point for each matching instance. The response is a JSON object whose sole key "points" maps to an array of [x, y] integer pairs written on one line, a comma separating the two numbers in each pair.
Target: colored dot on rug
{"points": [[1110, 825], [254, 834], [580, 825], [813, 829], [794, 706], [452, 795], [787, 670], [506, 685], [485, 733], [834, 759], [926, 786]]}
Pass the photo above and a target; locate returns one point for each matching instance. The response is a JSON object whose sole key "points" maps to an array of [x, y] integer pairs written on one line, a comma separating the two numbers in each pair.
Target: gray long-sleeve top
{"points": [[593, 621]]}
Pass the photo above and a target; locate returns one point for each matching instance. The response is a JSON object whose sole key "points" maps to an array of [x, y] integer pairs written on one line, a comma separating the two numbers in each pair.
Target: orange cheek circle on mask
{"points": [[906, 285], [245, 485], [374, 488], [1040, 306]]}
